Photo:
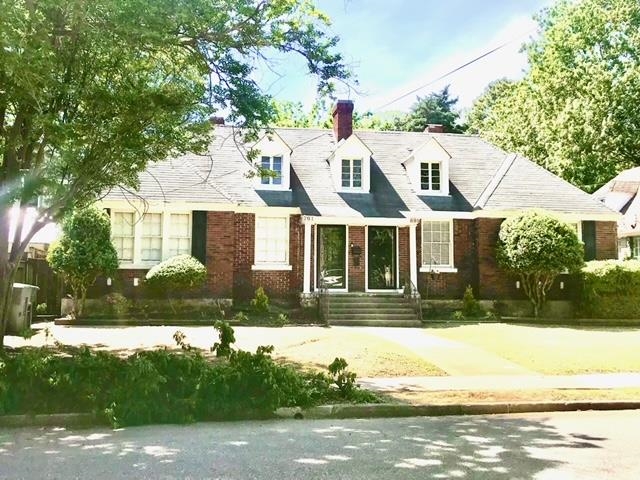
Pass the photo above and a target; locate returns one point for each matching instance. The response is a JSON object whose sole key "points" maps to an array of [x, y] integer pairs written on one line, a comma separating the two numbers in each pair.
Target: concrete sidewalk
{"points": [[502, 382]]}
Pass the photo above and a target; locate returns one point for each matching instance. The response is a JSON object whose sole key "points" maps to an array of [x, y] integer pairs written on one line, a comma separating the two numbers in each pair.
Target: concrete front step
{"points": [[373, 316], [346, 309], [375, 323]]}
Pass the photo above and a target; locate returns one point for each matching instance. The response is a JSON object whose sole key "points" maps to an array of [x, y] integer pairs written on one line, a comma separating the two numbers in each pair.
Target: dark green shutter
{"points": [[589, 239], [199, 235]]}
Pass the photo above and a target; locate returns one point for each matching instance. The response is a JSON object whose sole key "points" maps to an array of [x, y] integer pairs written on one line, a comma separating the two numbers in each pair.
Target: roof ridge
{"points": [[493, 184]]}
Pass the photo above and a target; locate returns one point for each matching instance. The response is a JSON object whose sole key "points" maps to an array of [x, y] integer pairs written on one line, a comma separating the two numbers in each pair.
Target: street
{"points": [[580, 445]]}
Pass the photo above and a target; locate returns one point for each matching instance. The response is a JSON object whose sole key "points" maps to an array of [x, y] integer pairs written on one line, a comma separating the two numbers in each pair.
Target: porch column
{"points": [[413, 261], [306, 283]]}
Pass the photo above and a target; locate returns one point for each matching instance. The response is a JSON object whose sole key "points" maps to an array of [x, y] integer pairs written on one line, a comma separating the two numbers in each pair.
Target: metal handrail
{"points": [[412, 294], [323, 301]]}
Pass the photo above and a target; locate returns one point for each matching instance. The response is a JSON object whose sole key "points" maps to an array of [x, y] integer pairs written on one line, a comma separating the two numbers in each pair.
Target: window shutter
{"points": [[589, 239], [199, 235]]}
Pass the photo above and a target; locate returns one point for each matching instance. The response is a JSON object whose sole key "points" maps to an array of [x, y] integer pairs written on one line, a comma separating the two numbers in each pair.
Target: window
{"points": [[430, 176], [437, 244], [152, 237], [180, 234], [275, 165], [634, 246], [352, 173], [272, 241], [123, 234]]}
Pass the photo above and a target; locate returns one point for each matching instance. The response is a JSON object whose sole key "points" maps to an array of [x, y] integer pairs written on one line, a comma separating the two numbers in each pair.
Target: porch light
{"points": [[136, 281], [518, 284], [108, 281]]}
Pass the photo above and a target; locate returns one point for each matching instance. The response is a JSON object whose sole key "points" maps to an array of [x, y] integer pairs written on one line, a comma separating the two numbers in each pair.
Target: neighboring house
{"points": [[362, 211], [621, 195]]}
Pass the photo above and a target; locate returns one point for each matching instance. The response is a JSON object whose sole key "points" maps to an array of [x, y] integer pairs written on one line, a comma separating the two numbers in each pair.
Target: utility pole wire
{"points": [[452, 71]]}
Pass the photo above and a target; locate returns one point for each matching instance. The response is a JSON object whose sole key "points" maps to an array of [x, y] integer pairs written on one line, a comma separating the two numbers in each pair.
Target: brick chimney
{"points": [[343, 119], [434, 128], [217, 120]]}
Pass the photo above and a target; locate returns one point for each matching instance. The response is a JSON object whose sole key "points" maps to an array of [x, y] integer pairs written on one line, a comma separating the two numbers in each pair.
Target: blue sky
{"points": [[394, 46]]}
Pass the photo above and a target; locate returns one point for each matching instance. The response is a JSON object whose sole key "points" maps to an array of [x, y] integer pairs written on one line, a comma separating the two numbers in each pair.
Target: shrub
{"points": [[470, 306], [162, 386], [177, 276], [226, 337], [611, 289], [260, 302], [84, 252], [538, 247], [41, 309]]}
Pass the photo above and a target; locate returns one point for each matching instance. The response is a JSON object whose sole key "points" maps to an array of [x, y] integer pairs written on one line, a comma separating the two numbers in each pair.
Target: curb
{"points": [[344, 411], [388, 410], [69, 420]]}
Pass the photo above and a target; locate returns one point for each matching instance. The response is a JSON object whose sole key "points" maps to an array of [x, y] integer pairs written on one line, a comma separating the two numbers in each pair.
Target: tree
{"points": [[91, 91], [293, 114], [538, 247], [575, 111], [84, 252], [437, 107]]}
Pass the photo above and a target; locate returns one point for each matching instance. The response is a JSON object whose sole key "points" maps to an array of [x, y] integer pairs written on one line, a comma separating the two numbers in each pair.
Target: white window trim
{"points": [[271, 185], [161, 236], [137, 262], [272, 145], [351, 188], [430, 190], [112, 219], [438, 268], [276, 266]]}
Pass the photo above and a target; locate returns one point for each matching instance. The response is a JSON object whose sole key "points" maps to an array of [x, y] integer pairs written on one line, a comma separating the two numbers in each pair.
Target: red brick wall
{"points": [[221, 246], [403, 253], [606, 240], [451, 285], [296, 253], [356, 271]]}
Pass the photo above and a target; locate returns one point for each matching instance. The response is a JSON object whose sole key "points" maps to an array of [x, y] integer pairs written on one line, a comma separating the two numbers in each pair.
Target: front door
{"points": [[381, 260], [332, 256]]}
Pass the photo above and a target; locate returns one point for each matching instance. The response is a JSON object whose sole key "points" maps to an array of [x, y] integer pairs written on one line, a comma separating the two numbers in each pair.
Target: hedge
{"points": [[611, 289]]}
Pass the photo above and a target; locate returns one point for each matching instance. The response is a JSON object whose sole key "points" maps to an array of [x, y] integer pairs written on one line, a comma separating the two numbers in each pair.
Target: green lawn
{"points": [[554, 350]]}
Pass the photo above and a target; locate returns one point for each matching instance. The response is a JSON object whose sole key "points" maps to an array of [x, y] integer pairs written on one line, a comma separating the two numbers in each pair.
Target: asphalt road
{"points": [[580, 445]]}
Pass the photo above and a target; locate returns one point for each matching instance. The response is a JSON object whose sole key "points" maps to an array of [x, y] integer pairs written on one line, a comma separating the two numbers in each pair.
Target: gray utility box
{"points": [[22, 306]]}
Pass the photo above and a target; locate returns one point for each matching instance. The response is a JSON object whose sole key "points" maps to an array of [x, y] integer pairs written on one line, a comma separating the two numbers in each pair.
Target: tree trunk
{"points": [[7, 274]]}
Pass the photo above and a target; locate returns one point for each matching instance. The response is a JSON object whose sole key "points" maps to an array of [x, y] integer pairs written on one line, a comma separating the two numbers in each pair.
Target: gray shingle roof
{"points": [[220, 176]]}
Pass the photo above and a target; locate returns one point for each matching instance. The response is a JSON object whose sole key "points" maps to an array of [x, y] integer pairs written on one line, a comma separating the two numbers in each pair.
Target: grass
{"points": [[544, 395], [366, 355], [555, 350], [307, 347]]}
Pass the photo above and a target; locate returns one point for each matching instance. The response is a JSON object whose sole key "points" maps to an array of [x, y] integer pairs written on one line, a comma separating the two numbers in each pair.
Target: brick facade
{"points": [[230, 251], [606, 240], [356, 238]]}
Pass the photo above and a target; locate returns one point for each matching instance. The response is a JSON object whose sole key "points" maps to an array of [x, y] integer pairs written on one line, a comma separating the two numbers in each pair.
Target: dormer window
{"points": [[274, 157], [352, 173], [350, 166], [428, 169], [274, 164], [430, 176]]}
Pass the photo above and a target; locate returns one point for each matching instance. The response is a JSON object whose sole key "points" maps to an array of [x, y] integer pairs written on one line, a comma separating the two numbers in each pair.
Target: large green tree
{"points": [[93, 90], [576, 110], [435, 108]]}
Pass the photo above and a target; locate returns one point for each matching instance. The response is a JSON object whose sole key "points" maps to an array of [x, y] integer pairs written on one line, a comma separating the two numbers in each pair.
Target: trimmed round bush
{"points": [[177, 275]]}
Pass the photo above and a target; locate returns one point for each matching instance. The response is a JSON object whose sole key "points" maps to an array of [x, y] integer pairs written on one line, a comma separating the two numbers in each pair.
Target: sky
{"points": [[395, 46]]}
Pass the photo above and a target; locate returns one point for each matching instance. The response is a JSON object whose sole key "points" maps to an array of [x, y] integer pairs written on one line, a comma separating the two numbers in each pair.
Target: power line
{"points": [[452, 71]]}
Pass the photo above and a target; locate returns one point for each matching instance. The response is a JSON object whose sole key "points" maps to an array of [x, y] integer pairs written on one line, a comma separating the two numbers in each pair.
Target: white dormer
{"points": [[273, 154], [428, 168], [350, 166]]}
